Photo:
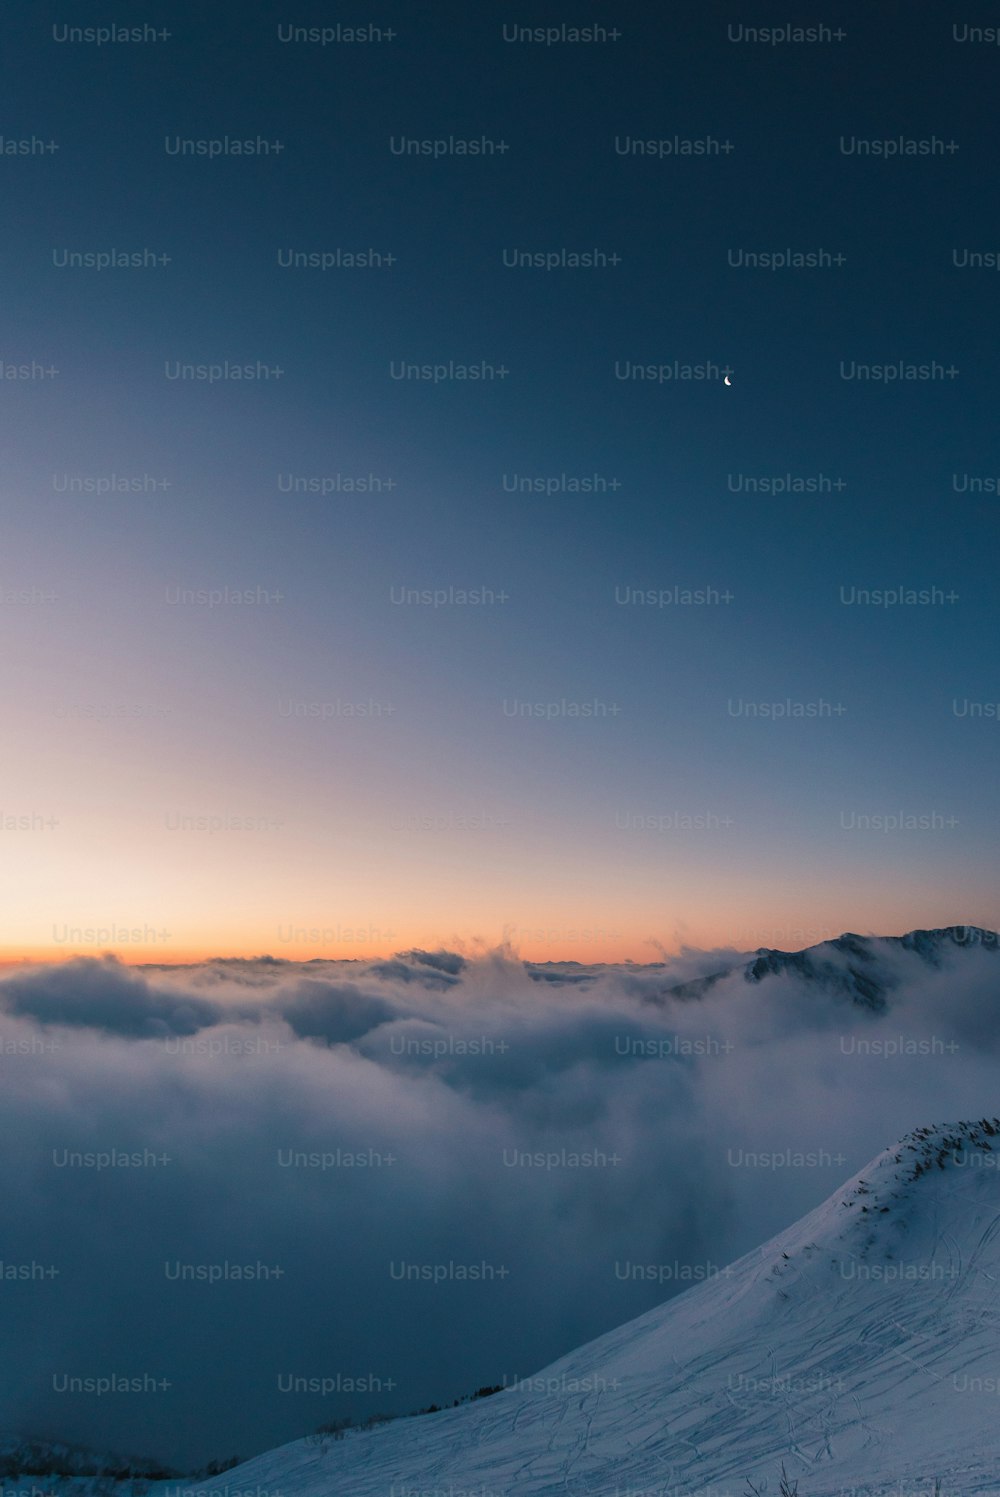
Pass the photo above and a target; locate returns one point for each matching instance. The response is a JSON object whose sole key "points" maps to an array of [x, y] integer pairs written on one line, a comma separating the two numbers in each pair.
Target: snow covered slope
{"points": [[861, 1347]]}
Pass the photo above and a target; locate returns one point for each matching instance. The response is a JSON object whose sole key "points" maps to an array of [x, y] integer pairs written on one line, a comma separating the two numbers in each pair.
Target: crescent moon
{"points": [[727, 380]]}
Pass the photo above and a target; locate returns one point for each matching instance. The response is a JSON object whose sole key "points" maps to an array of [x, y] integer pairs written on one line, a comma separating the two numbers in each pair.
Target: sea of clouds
{"points": [[383, 1138]]}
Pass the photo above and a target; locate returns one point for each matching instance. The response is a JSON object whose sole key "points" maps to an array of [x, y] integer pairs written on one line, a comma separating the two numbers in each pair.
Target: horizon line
{"points": [[145, 957]]}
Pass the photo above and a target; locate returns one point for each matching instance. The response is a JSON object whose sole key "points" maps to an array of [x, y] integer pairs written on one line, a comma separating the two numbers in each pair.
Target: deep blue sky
{"points": [[205, 687]]}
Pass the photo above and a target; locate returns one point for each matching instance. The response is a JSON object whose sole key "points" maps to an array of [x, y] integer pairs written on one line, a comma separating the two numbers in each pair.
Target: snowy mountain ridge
{"points": [[860, 1347], [861, 968]]}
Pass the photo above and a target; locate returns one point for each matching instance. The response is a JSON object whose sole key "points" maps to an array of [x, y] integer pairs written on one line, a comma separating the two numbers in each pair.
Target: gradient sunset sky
{"points": [[393, 782]]}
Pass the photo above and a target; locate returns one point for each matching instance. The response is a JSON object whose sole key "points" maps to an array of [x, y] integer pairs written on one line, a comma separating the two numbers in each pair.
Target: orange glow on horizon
{"points": [[586, 945]]}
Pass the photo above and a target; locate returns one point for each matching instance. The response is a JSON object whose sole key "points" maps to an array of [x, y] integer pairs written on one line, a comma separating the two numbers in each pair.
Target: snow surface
{"points": [[861, 1347]]}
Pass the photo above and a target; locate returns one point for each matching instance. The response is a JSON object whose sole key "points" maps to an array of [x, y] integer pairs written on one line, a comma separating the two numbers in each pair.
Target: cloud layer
{"points": [[247, 1175]]}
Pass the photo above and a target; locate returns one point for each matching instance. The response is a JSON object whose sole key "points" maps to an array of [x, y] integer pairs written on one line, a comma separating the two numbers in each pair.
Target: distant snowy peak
{"points": [[861, 967], [848, 965], [930, 943]]}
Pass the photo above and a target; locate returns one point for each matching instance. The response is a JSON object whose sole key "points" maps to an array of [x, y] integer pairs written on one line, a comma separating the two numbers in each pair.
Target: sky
{"points": [[257, 702]]}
